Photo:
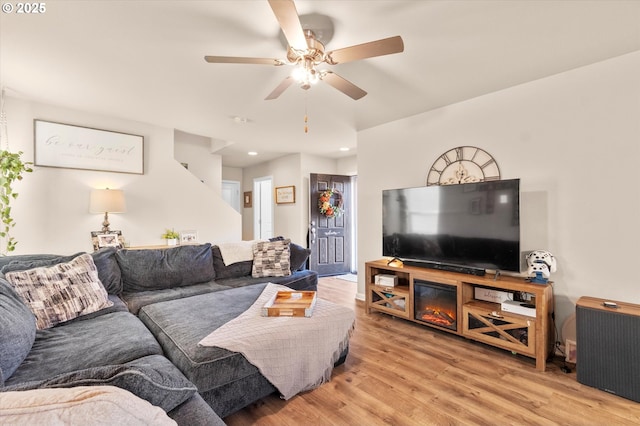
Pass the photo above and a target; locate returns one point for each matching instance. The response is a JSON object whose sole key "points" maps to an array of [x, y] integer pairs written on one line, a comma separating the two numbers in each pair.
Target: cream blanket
{"points": [[238, 251], [79, 406], [294, 353]]}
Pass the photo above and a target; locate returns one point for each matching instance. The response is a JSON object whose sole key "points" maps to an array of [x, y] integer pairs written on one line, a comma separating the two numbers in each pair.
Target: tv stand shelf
{"points": [[478, 320]]}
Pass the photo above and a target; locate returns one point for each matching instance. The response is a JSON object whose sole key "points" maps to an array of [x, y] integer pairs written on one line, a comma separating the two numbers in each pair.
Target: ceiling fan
{"points": [[305, 52]]}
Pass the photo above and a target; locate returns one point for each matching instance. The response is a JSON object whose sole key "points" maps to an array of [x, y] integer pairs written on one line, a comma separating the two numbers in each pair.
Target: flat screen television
{"points": [[468, 227]]}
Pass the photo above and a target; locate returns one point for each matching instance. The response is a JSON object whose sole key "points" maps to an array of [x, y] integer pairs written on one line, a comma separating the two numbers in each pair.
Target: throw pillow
{"points": [[61, 292], [299, 254], [271, 259], [144, 270], [17, 331]]}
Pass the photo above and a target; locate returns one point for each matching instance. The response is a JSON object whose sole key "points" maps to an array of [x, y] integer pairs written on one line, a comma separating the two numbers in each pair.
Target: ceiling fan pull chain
{"points": [[306, 117]]}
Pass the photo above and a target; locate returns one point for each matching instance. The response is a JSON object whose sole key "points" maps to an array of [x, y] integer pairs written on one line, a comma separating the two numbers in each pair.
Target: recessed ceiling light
{"points": [[252, 153], [344, 149]]}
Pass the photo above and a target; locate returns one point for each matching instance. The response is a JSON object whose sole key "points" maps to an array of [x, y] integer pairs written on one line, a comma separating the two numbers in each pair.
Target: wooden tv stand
{"points": [[476, 319]]}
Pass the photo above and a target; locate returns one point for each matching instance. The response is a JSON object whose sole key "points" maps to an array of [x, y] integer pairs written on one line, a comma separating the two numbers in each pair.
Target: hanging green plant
{"points": [[11, 169]]}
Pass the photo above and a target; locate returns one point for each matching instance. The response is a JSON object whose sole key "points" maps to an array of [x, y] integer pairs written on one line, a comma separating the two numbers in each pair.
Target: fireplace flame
{"points": [[438, 316]]}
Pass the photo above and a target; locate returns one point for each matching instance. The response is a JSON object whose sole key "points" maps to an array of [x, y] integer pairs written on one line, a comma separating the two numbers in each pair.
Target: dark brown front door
{"points": [[330, 238]]}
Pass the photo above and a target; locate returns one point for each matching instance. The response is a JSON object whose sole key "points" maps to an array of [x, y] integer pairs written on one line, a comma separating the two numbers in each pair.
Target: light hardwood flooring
{"points": [[401, 373]]}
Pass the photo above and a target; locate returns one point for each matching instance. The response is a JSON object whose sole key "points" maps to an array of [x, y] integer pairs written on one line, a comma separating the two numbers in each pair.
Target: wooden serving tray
{"points": [[290, 304]]}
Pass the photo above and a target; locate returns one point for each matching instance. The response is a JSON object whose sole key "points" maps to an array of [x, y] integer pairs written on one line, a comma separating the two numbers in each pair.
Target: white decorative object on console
{"points": [[540, 264]]}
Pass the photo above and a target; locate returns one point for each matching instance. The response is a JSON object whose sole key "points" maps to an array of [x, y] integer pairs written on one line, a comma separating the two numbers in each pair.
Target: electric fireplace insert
{"points": [[436, 304]]}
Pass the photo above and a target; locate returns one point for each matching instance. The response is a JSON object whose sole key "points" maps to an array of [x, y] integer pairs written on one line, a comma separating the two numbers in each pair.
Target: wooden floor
{"points": [[401, 373]]}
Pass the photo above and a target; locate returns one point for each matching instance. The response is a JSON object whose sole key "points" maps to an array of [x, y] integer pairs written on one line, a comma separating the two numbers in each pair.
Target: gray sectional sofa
{"points": [[141, 341]]}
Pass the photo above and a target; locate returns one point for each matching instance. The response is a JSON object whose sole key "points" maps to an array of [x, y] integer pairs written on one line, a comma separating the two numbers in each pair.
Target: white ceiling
{"points": [[144, 61]]}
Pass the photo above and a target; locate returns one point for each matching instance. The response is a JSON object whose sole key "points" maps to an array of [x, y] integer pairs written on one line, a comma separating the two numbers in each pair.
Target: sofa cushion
{"points": [[108, 269], [238, 269], [17, 331], [61, 292], [271, 259], [138, 299], [152, 378], [299, 280], [31, 262], [5, 260], [195, 411], [165, 268], [105, 405], [178, 330], [114, 338]]}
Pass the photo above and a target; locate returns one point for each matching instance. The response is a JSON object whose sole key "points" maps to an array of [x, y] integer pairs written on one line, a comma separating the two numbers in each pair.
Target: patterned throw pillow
{"points": [[271, 259], [61, 292]]}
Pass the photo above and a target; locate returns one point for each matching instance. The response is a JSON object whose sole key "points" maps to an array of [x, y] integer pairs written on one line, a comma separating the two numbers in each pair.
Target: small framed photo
{"points": [[285, 194], [101, 239], [248, 196], [188, 237]]}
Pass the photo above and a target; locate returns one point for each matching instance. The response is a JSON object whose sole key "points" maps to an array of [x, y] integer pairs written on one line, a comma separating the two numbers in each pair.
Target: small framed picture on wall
{"points": [[285, 194]]}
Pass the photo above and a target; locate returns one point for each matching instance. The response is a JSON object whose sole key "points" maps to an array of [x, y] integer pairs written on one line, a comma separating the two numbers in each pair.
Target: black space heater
{"points": [[608, 346]]}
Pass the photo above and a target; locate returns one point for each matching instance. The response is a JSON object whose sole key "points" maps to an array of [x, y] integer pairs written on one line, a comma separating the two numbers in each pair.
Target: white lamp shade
{"points": [[107, 201]]}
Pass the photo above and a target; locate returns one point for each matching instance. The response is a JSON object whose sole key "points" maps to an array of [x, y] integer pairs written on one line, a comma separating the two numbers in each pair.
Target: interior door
{"points": [[262, 208], [330, 239], [231, 193]]}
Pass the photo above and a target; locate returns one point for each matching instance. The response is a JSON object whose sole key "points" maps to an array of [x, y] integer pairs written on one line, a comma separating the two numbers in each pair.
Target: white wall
{"points": [[232, 173], [195, 151], [573, 139], [290, 220], [284, 171], [51, 211], [348, 166]]}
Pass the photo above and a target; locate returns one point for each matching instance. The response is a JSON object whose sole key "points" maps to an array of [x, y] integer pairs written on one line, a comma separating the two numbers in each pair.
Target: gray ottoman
{"points": [[225, 379]]}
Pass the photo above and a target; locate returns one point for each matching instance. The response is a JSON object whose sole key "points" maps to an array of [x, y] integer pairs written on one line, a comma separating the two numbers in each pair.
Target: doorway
{"points": [[263, 208], [331, 239], [231, 193]]}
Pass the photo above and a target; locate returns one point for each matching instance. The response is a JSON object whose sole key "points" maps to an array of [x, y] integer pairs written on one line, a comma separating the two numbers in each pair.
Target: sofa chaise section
{"points": [[226, 380], [110, 346]]}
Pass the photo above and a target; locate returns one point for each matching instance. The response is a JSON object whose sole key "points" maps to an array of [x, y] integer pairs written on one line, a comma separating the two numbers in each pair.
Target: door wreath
{"points": [[328, 208]]}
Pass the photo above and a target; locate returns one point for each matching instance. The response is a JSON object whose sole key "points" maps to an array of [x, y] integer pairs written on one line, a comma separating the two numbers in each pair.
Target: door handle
{"points": [[312, 231]]}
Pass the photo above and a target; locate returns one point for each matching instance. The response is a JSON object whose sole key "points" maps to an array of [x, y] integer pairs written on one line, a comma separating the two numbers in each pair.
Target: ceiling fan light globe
{"points": [[298, 74]]}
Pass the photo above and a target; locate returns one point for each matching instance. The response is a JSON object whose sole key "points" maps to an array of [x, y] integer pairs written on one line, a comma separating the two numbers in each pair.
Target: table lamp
{"points": [[107, 201]]}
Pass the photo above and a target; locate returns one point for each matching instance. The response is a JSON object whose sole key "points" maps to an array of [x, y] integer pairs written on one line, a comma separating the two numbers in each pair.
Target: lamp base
{"points": [[105, 223]]}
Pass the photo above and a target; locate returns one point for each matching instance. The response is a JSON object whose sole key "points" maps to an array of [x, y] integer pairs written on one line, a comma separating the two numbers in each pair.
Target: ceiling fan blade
{"points": [[240, 60], [287, 16], [343, 85], [385, 46], [281, 88]]}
